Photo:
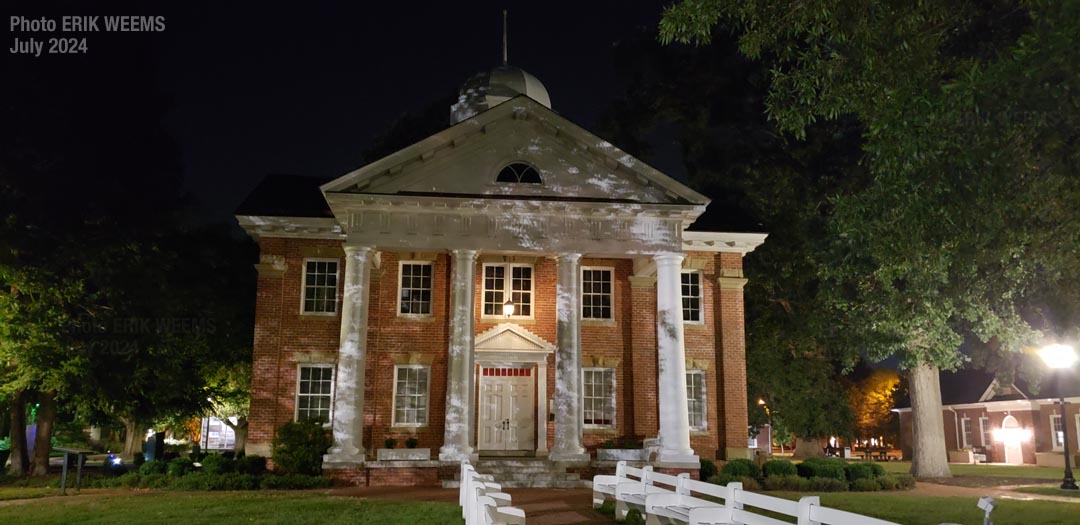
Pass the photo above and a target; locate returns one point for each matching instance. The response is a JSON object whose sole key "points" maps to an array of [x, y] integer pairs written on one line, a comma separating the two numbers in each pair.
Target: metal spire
{"points": [[505, 52]]}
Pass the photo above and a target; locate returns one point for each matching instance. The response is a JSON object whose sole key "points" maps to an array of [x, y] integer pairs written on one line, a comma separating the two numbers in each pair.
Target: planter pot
{"points": [[403, 454], [620, 454]]}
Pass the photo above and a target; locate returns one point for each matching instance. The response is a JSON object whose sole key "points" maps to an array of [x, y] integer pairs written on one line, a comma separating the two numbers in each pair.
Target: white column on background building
{"points": [[348, 416], [671, 362], [459, 372], [568, 425], [541, 409]]}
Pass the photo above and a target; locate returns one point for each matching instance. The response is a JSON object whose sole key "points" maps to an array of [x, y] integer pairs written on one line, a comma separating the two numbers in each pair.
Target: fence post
{"points": [[805, 503]]}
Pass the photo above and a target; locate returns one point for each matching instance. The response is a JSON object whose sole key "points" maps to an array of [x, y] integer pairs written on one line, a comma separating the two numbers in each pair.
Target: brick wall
{"points": [[284, 337]]}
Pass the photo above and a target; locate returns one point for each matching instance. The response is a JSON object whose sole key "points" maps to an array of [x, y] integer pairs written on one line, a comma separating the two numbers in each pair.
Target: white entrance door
{"points": [[507, 406], [1011, 433]]}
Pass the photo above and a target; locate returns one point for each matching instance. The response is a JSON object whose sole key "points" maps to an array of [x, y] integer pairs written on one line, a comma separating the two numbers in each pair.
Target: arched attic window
{"points": [[519, 173]]}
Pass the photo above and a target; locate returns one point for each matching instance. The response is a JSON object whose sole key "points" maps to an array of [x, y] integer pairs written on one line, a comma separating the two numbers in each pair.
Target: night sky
{"points": [[262, 88]]}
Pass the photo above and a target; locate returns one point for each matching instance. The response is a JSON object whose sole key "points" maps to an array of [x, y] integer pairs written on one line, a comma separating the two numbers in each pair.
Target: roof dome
{"points": [[488, 89]]}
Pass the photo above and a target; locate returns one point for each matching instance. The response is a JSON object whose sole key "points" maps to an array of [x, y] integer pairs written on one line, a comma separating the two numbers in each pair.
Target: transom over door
{"points": [[507, 404]]}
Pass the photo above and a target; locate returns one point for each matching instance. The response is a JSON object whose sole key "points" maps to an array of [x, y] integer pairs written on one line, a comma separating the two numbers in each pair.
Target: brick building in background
{"points": [[512, 286]]}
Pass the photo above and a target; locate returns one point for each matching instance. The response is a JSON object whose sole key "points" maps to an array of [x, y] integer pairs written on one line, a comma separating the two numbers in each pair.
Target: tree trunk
{"points": [[930, 458], [132, 437], [46, 421], [240, 430], [807, 448], [20, 460]]}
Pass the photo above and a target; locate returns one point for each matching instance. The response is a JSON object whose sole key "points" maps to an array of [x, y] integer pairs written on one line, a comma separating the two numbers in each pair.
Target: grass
{"points": [[9, 493], [1049, 491], [997, 471], [254, 507], [919, 510]]}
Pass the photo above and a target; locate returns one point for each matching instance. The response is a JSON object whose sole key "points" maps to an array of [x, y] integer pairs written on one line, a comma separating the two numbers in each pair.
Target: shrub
{"points": [[389, 443], [741, 467], [181, 467], [779, 468], [865, 485], [232, 481], [294, 481], [823, 468], [857, 471], [748, 483], [708, 469], [139, 459], [877, 469], [827, 485], [411, 442], [299, 447], [153, 467], [791, 482], [887, 482], [904, 481], [254, 465], [154, 481], [217, 464], [194, 481]]}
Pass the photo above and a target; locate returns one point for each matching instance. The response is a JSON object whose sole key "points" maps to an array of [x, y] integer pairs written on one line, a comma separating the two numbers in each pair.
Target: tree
{"points": [[970, 216], [872, 399], [231, 398]]}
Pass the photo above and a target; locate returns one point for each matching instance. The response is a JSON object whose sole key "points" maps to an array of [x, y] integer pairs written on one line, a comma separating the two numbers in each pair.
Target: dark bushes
{"points": [[779, 467], [299, 447]]}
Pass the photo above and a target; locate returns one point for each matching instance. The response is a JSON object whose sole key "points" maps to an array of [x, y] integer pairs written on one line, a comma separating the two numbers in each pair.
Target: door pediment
{"points": [[508, 342]]}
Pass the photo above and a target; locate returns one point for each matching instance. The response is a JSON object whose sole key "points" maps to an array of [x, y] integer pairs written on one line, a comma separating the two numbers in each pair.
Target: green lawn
{"points": [[1050, 491], [8, 493], [914, 510], [997, 471], [231, 507]]}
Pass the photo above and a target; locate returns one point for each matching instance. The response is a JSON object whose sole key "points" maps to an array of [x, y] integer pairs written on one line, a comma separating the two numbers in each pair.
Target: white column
{"points": [[459, 372], [541, 410], [671, 362], [568, 425], [348, 424]]}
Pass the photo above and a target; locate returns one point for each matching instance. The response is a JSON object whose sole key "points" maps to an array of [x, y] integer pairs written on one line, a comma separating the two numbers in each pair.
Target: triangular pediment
{"points": [[509, 337], [464, 160]]}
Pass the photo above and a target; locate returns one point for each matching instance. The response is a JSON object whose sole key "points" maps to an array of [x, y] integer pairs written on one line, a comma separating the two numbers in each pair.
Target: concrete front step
{"points": [[525, 473], [531, 484]]}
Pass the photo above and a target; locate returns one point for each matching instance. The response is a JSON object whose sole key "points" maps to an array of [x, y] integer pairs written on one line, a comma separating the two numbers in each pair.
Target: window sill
{"points": [[417, 318], [318, 317], [607, 430], [687, 325], [409, 428], [699, 432], [501, 320], [598, 322]]}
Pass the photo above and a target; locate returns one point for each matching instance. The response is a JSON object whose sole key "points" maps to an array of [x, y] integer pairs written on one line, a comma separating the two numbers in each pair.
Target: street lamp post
{"points": [[1061, 357]]}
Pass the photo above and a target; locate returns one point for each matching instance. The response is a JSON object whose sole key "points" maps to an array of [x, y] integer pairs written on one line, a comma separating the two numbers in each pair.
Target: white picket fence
{"points": [[663, 498], [483, 502]]}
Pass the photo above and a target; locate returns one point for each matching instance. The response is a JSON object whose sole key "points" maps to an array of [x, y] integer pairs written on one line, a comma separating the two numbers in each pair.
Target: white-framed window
{"points": [[596, 293], [691, 297], [511, 281], [1057, 432], [695, 399], [984, 429], [320, 286], [411, 386], [315, 392], [598, 401], [965, 432], [414, 288]]}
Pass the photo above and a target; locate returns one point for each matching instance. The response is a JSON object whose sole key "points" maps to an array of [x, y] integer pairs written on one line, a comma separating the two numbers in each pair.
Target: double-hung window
{"points": [[695, 399], [411, 386], [965, 431], [1057, 432], [691, 297], [984, 429], [508, 282], [414, 288], [596, 294], [598, 400], [314, 392], [320, 287]]}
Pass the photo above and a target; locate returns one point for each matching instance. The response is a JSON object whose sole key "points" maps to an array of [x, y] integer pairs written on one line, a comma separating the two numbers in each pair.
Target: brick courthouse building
{"points": [[510, 286]]}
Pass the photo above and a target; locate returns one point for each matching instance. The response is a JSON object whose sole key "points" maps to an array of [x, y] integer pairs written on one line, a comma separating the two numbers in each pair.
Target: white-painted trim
{"points": [[581, 280], [614, 398], [291, 227], [704, 400], [337, 281], [333, 383], [431, 296], [700, 297], [723, 242], [508, 289], [393, 398]]}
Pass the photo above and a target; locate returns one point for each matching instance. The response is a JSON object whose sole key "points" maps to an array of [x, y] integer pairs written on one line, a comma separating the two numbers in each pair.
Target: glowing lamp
{"points": [[508, 308], [1058, 356]]}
